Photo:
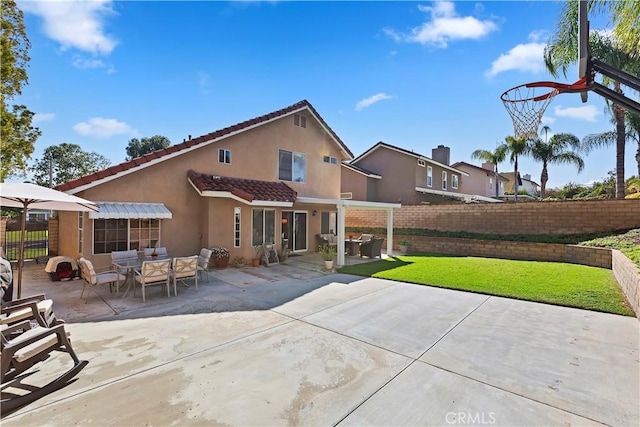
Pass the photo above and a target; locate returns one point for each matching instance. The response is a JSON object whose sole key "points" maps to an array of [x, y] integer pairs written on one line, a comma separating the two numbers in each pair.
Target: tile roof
{"points": [[246, 189], [456, 164], [141, 161], [405, 151], [360, 169]]}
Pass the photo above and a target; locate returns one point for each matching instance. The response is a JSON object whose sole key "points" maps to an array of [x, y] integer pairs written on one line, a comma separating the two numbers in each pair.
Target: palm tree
{"points": [[554, 151], [562, 51], [515, 148], [494, 157]]}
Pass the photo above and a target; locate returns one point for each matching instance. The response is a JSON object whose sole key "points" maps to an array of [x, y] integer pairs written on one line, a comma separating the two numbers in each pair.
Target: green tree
{"points": [[625, 17], [516, 147], [18, 135], [140, 147], [66, 162], [562, 51], [494, 157], [556, 150]]}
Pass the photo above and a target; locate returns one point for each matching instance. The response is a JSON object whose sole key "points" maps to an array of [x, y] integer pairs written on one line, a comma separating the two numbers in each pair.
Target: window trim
{"points": [[454, 182], [445, 176], [237, 227], [80, 232], [330, 159], [264, 210], [224, 152], [293, 157], [422, 163], [429, 176], [93, 224]]}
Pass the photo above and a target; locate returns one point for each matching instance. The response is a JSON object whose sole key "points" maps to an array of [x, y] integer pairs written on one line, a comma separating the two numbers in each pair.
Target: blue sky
{"points": [[412, 74]]}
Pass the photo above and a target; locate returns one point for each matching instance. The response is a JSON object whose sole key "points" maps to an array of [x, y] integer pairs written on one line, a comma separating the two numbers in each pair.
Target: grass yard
{"points": [[571, 285]]}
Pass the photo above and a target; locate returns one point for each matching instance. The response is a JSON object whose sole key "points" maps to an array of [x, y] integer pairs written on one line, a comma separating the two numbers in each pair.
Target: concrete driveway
{"points": [[341, 350]]}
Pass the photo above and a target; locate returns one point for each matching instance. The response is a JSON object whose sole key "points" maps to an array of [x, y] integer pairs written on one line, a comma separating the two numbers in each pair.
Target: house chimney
{"points": [[441, 154], [488, 166], [189, 137], [527, 177]]}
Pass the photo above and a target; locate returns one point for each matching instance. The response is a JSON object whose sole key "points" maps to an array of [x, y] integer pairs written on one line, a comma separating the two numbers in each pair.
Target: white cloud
{"points": [[102, 128], [443, 26], [75, 23], [523, 57], [546, 120], [588, 113], [84, 64], [43, 117], [367, 102]]}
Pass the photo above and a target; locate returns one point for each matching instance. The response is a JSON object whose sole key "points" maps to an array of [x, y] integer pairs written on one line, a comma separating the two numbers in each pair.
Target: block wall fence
{"points": [[566, 217]]}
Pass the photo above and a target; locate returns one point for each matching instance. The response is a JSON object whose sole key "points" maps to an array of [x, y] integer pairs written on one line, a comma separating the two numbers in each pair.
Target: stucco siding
{"points": [[355, 183]]}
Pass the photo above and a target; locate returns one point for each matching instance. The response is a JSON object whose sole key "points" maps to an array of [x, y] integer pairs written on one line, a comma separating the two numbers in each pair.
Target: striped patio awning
{"points": [[119, 210]]}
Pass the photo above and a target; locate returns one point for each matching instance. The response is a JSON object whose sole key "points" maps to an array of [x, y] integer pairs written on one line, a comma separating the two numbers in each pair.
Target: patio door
{"points": [[294, 230]]}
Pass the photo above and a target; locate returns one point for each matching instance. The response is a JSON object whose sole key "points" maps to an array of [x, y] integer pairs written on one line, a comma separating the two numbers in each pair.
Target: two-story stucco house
{"points": [[386, 173], [481, 179], [272, 179]]}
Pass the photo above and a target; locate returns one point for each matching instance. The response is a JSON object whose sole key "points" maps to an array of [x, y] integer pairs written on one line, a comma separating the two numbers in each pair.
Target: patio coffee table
{"points": [[131, 265], [353, 246]]}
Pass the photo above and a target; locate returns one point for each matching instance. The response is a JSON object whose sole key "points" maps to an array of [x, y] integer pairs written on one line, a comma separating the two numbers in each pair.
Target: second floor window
{"points": [[454, 181], [429, 176], [444, 180], [299, 120], [224, 156], [330, 159], [292, 166]]}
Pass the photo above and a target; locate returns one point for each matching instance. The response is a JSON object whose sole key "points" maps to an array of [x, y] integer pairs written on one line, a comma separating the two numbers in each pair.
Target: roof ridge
{"points": [[141, 160]]}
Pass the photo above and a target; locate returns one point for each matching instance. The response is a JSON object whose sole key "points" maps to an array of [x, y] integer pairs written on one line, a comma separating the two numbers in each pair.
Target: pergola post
{"points": [[341, 225], [389, 232]]}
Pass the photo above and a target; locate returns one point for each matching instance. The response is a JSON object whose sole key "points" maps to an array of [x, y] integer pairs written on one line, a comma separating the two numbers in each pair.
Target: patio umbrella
{"points": [[31, 196]]}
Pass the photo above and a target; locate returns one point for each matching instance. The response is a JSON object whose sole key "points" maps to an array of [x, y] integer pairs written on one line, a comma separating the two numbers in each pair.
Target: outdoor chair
{"points": [[270, 254], [184, 268], [37, 308], [21, 352], [372, 248], [122, 256], [153, 273], [366, 237], [93, 278], [160, 252], [203, 262]]}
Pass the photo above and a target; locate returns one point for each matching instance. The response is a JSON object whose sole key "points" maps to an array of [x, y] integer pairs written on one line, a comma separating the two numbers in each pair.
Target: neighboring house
{"points": [[481, 180], [38, 215], [525, 183], [271, 179], [386, 173]]}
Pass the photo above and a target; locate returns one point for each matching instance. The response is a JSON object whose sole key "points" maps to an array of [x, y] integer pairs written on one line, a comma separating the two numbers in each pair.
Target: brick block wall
{"points": [[628, 276], [53, 236], [563, 217], [585, 255]]}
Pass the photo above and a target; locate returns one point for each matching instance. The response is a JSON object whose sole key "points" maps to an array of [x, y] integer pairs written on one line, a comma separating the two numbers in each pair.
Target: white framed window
{"points": [[454, 181], [421, 163], [224, 156], [490, 181], [299, 120], [444, 180], [125, 234], [236, 227], [429, 176], [328, 222], [80, 231], [292, 166], [263, 227], [501, 184], [330, 159]]}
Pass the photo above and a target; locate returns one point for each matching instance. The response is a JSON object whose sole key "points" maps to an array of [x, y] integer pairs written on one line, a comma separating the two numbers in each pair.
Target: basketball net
{"points": [[527, 103]]}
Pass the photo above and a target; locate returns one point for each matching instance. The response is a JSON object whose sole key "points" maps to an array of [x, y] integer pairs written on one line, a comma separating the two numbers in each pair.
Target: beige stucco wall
{"points": [[354, 182], [477, 182], [401, 175], [198, 222]]}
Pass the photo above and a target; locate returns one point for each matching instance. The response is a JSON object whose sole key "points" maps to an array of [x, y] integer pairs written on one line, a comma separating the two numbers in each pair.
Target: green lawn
{"points": [[570, 285]]}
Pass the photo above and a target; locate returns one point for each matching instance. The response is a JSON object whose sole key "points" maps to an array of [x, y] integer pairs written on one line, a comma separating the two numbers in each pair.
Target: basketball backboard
{"points": [[583, 44]]}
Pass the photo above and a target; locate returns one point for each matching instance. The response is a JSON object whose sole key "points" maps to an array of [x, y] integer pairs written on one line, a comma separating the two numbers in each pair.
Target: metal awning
{"points": [[119, 210]]}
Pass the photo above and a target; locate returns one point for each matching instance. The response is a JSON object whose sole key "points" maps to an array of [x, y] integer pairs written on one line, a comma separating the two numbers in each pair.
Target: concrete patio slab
{"points": [[576, 360], [424, 395], [403, 318], [293, 374]]}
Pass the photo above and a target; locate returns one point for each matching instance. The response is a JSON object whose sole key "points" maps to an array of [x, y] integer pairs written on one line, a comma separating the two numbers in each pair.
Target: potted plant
{"points": [[220, 257], [283, 253], [404, 245], [327, 253], [256, 261], [238, 261]]}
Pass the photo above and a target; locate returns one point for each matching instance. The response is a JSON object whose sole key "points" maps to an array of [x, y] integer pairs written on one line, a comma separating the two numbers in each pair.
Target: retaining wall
{"points": [[628, 276]]}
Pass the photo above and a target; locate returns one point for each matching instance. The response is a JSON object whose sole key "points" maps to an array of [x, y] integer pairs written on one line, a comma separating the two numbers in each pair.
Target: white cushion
{"points": [[31, 350], [45, 308]]}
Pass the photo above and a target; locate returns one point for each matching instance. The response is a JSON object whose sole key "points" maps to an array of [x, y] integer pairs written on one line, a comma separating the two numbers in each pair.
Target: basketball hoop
{"points": [[527, 103]]}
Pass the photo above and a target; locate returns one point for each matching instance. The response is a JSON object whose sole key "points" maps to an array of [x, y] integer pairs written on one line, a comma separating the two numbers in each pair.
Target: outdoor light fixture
{"points": [[315, 212]]}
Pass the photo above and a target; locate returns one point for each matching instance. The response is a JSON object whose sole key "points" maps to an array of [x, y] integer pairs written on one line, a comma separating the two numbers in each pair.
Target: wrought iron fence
{"points": [[36, 242]]}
